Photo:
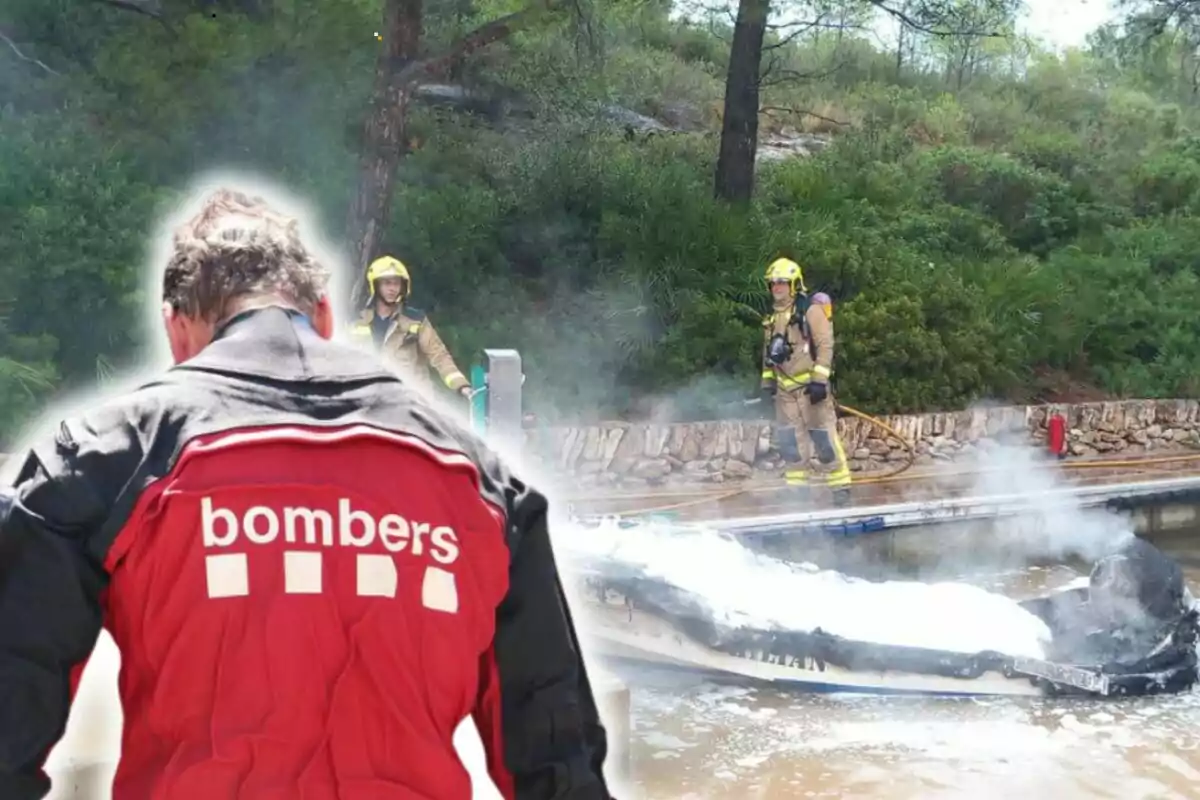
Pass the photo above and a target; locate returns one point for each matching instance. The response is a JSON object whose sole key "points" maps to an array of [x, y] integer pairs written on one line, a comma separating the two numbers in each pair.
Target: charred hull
{"points": [[637, 617]]}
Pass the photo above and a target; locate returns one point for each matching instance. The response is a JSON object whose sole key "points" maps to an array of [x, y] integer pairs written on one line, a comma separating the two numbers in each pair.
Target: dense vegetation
{"points": [[993, 221]]}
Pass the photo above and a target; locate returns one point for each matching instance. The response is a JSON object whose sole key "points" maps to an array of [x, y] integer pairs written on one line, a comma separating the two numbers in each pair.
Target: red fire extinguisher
{"points": [[1056, 435]]}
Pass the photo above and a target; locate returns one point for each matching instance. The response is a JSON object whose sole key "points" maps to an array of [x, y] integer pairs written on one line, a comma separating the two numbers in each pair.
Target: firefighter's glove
{"points": [[817, 391], [767, 393]]}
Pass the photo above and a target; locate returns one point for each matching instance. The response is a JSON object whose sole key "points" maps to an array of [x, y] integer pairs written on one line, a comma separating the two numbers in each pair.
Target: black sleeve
{"points": [[51, 580], [549, 741]]}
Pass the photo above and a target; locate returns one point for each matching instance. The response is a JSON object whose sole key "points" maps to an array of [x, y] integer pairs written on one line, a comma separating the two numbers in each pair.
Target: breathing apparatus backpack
{"points": [[779, 348]]}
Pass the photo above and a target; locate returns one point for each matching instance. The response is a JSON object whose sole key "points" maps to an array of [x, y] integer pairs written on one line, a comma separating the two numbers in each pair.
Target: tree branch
{"points": [[148, 8], [726, 10], [932, 29], [484, 35], [800, 28], [716, 34], [1153, 22], [787, 75], [810, 24], [804, 113], [23, 57], [1179, 10]]}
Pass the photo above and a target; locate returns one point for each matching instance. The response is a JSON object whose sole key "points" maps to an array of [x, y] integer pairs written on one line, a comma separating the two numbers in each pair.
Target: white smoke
{"points": [[1054, 523]]}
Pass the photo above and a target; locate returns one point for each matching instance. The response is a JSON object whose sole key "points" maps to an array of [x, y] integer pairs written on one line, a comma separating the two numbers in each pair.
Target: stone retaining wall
{"points": [[646, 454]]}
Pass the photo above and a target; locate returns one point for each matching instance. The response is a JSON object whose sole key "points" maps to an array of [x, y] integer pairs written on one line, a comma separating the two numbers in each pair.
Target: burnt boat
{"points": [[629, 615]]}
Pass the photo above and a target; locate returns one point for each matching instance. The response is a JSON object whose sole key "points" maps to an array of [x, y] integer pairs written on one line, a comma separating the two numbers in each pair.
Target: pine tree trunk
{"points": [[739, 126], [383, 139]]}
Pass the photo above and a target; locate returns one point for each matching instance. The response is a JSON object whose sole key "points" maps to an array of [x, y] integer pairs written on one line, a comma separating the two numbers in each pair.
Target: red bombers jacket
{"points": [[313, 577]]}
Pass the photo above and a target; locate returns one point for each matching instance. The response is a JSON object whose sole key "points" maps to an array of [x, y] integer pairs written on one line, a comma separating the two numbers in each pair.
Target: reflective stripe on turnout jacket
{"points": [[312, 575]]}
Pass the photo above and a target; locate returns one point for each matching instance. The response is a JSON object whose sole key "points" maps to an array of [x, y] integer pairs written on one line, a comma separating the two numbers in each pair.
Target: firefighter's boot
{"points": [[797, 483]]}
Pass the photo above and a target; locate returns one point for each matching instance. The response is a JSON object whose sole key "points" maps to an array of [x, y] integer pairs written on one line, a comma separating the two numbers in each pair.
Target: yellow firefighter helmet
{"points": [[389, 267], [784, 269]]}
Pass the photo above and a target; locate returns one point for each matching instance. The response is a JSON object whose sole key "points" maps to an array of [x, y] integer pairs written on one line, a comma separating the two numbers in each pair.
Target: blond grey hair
{"points": [[235, 248]]}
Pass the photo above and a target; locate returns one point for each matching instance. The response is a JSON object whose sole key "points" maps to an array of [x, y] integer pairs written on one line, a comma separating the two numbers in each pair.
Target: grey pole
{"points": [[504, 408]]}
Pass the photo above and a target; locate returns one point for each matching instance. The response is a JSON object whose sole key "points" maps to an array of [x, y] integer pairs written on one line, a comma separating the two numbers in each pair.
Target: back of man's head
{"points": [[235, 249]]}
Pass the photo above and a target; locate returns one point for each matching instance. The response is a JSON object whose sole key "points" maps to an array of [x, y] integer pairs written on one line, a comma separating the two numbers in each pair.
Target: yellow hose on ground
{"points": [[894, 476]]}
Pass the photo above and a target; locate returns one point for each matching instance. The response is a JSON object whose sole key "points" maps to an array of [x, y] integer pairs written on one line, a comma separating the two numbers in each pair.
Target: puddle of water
{"points": [[736, 742]]}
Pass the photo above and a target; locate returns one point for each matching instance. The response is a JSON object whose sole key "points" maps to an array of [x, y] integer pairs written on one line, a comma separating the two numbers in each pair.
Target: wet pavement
{"points": [[701, 740], [765, 497]]}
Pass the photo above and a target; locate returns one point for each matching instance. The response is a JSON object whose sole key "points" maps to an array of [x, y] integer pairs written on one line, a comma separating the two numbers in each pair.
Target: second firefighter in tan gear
{"points": [[797, 365], [404, 335]]}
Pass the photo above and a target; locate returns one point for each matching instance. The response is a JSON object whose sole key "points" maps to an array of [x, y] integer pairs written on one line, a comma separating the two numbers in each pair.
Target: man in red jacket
{"points": [[313, 576]]}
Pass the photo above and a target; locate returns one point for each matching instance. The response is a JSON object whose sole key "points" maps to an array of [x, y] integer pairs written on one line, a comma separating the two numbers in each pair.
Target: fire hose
{"points": [[893, 476]]}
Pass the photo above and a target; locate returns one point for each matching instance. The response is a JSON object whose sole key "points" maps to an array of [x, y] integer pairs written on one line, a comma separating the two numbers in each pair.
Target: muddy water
{"points": [[697, 739]]}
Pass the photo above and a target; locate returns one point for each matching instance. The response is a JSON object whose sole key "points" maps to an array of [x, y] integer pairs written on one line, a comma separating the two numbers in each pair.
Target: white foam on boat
{"points": [[744, 588]]}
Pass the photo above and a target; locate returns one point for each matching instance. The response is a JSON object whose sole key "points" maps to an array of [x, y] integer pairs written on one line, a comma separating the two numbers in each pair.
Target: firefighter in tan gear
{"points": [[797, 365], [403, 334]]}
